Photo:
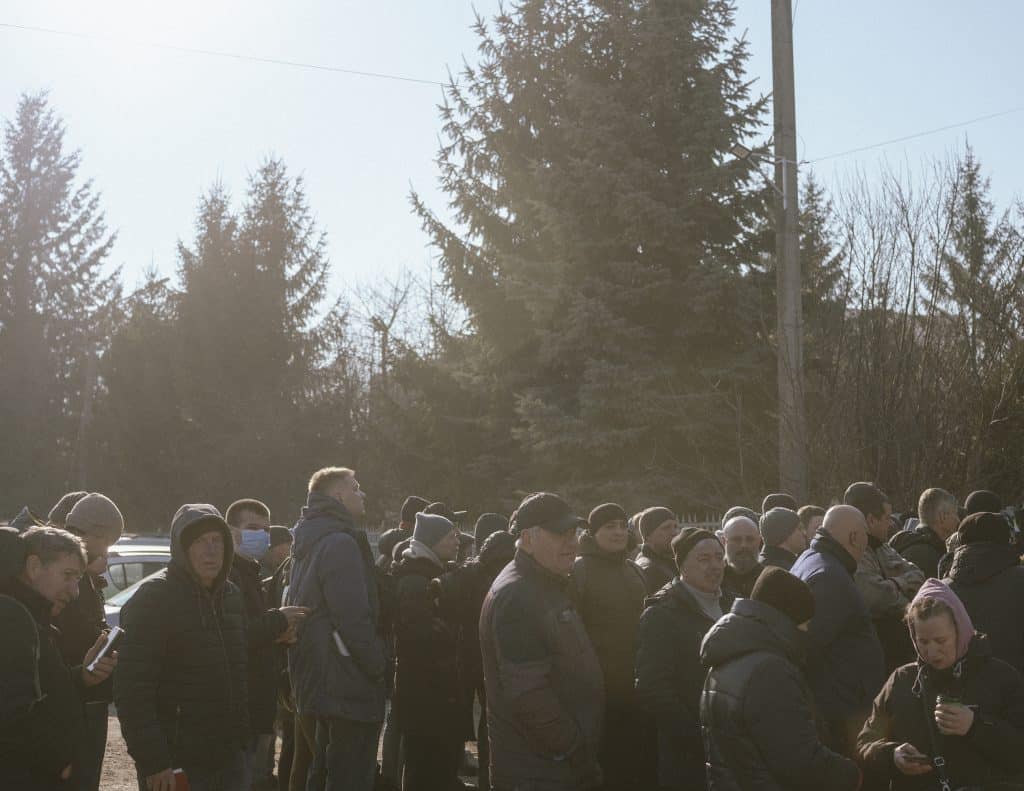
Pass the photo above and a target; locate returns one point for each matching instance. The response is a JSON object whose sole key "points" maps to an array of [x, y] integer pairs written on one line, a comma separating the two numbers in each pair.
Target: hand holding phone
{"points": [[911, 761], [102, 657]]}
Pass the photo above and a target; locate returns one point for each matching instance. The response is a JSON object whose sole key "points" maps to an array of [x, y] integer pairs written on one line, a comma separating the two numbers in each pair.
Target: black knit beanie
{"points": [[603, 514], [983, 500], [788, 594], [982, 526], [487, 524], [412, 506], [652, 519], [688, 538]]}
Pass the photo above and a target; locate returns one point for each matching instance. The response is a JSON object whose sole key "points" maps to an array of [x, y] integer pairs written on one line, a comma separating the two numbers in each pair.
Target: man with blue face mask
{"points": [[249, 522]]}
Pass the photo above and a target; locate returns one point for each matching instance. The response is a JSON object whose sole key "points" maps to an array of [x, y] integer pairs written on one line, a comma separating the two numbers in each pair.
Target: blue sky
{"points": [[156, 127]]}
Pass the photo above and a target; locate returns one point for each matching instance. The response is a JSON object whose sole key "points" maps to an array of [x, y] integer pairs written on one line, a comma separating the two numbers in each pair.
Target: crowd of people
{"points": [[792, 647]]}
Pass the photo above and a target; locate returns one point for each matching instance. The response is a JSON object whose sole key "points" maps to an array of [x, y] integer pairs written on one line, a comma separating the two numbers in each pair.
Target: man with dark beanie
{"points": [[59, 513], [669, 676], [783, 538], [756, 708], [658, 526], [987, 576], [486, 524], [779, 500], [428, 696], [610, 593], [983, 501], [396, 535]]}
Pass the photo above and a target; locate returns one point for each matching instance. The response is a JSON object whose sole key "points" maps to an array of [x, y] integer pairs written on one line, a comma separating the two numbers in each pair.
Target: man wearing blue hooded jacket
{"points": [[338, 665]]}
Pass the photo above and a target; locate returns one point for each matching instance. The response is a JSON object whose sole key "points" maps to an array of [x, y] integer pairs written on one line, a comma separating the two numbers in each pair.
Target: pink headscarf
{"points": [[940, 591]]}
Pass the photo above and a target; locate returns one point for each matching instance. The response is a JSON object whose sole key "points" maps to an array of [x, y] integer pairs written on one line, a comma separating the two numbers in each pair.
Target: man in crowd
{"points": [[610, 593], [658, 526], [249, 522], [845, 663], [811, 517], [41, 732], [742, 541], [338, 664], [180, 690], [59, 513], [886, 581], [669, 676], [97, 521], [280, 548], [925, 544], [783, 538], [987, 576], [756, 708], [545, 695], [407, 521], [428, 697]]}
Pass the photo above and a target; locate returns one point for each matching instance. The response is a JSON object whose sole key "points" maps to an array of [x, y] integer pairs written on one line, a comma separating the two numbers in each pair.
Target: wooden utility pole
{"points": [[792, 422]]}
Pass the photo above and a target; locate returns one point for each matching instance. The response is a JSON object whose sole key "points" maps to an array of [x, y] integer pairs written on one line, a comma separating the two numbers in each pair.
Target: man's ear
{"points": [[33, 565]]}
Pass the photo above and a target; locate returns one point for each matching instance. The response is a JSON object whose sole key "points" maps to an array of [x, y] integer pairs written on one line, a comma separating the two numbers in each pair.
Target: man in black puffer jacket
{"points": [[669, 676], [427, 691], [180, 688], [987, 576], [756, 709]]}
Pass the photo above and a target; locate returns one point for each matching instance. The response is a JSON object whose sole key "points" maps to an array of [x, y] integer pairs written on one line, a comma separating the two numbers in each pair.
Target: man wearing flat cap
{"points": [[545, 693]]}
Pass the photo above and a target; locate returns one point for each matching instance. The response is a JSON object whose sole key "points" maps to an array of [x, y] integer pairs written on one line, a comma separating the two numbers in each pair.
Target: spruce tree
{"points": [[599, 246], [55, 304]]}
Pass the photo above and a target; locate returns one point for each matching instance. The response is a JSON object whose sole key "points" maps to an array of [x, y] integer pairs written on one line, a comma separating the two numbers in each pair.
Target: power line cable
{"points": [[222, 54], [916, 135]]}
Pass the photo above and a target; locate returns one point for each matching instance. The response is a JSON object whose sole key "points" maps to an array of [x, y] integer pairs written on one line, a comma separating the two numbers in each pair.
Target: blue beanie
{"points": [[431, 528]]}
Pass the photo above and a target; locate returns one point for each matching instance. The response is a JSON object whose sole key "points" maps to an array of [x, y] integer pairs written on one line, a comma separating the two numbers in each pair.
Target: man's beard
{"points": [[743, 561]]}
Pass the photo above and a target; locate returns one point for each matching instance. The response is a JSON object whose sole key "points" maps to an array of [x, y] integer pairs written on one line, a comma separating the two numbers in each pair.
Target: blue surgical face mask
{"points": [[255, 543]]}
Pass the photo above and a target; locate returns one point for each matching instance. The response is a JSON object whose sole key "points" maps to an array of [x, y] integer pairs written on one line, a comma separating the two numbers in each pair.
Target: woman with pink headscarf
{"points": [[955, 717]]}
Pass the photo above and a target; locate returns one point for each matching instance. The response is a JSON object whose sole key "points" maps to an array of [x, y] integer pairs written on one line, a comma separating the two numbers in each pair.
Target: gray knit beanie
{"points": [[431, 528]]}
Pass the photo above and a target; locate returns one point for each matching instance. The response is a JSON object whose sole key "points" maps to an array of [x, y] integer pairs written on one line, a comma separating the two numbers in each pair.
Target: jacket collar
{"points": [[317, 503], [529, 567], [826, 545], [39, 606], [657, 557], [778, 555], [681, 596]]}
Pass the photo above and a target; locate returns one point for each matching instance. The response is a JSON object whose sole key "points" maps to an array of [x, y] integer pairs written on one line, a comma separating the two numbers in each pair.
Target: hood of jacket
{"points": [[589, 548], [979, 562], [750, 627], [192, 514], [320, 517], [919, 534]]}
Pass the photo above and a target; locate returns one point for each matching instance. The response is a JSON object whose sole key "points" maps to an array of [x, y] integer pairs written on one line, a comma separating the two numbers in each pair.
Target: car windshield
{"points": [[120, 599]]}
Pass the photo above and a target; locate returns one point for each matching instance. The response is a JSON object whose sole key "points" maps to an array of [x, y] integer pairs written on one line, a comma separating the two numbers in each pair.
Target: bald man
{"points": [[741, 538], [845, 664]]}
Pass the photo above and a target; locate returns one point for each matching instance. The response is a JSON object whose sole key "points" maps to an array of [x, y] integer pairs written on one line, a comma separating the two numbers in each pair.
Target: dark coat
{"points": [[545, 692], [776, 556], [42, 696], [992, 750], [669, 680], [658, 570], [756, 709], [263, 626], [922, 547], [610, 592], [427, 689], [333, 574], [989, 580], [845, 663], [180, 685], [79, 625], [740, 585]]}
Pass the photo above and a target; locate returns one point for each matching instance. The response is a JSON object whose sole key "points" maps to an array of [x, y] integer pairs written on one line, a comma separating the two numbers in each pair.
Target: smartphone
{"points": [[113, 638], [180, 780]]}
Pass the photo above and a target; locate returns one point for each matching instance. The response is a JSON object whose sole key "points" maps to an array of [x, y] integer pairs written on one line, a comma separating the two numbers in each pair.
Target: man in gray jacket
{"points": [[338, 664], [545, 691]]}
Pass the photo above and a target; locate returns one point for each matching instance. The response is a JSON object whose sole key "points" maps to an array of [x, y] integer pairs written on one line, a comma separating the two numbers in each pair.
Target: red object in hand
{"points": [[180, 780]]}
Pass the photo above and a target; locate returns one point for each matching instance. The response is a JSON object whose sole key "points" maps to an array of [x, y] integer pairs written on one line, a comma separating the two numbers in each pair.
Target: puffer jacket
{"points": [[427, 688], [756, 708], [989, 580], [921, 546], [669, 679], [992, 751], [333, 574], [610, 592], [545, 693], [657, 569], [180, 685], [44, 715]]}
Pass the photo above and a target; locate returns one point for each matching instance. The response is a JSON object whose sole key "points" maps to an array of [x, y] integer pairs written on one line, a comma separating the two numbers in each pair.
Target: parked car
{"points": [[132, 558]]}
